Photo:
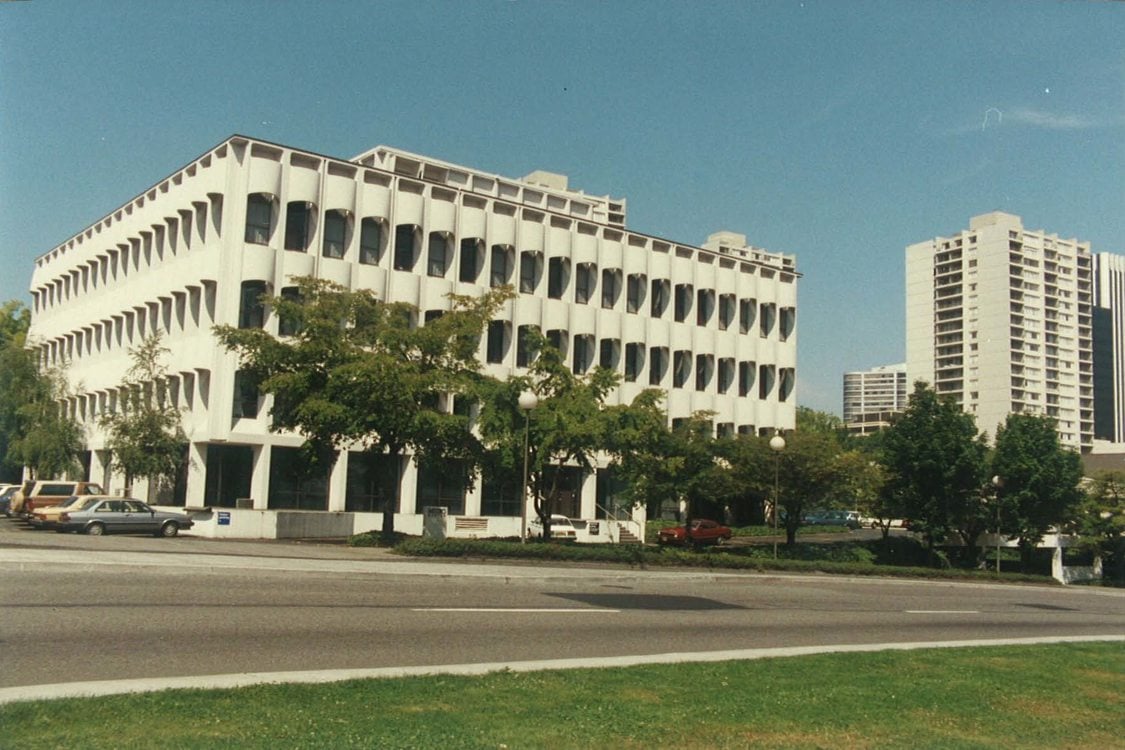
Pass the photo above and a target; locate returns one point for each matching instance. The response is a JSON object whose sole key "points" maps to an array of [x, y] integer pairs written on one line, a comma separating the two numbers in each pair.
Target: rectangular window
{"points": [[611, 287], [727, 306], [556, 277], [298, 225], [251, 311], [766, 316], [437, 261], [746, 310], [704, 364], [245, 403], [704, 306], [634, 361], [584, 283], [745, 377], [496, 335], [470, 260], [659, 302], [525, 346], [405, 250], [726, 374], [259, 218], [500, 262], [335, 232], [683, 301], [289, 325], [681, 370], [557, 338], [608, 353], [635, 294], [657, 364], [370, 241], [529, 272], [583, 354]]}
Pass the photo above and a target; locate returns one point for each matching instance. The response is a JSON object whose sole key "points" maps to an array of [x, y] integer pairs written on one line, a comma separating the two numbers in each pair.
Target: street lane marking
{"points": [[942, 611], [550, 610]]}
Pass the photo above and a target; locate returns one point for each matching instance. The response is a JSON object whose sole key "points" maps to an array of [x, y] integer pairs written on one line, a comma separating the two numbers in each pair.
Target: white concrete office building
{"points": [[999, 317], [714, 325], [872, 396]]}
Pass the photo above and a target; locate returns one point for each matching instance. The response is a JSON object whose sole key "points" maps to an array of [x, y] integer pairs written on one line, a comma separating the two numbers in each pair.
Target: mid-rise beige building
{"points": [[872, 397], [999, 317]]}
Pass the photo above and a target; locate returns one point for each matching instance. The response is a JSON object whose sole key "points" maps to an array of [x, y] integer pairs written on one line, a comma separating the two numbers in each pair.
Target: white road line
{"points": [[942, 611], [491, 610]]}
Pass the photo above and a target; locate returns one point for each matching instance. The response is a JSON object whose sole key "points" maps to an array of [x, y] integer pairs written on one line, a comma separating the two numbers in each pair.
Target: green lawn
{"points": [[1070, 695]]}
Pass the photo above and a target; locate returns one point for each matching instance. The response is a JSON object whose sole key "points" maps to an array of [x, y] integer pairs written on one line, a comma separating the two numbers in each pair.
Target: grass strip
{"points": [[1066, 695]]}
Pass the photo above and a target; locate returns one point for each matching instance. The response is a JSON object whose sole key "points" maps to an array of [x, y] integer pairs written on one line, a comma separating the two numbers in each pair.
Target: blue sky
{"points": [[836, 131]]}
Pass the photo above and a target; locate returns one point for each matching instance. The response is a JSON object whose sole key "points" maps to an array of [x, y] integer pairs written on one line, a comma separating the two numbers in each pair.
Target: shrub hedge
{"points": [[845, 558]]}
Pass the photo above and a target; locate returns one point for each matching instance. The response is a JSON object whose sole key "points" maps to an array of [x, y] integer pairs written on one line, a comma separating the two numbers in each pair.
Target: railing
{"points": [[616, 524]]}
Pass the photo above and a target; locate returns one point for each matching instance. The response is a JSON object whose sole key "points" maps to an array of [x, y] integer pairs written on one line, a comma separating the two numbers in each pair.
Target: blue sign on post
{"points": [[224, 518]]}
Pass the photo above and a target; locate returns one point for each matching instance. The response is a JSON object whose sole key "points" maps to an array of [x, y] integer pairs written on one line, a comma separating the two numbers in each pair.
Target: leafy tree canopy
{"points": [[1039, 478], [358, 372]]}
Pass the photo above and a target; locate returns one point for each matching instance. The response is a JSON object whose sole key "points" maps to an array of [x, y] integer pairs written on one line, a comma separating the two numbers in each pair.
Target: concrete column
{"points": [[196, 475], [338, 483], [409, 488], [260, 478], [587, 505]]}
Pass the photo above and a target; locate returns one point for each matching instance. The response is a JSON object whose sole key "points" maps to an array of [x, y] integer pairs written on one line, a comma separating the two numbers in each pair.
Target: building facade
{"points": [[1109, 348], [713, 325], [872, 397], [1000, 318]]}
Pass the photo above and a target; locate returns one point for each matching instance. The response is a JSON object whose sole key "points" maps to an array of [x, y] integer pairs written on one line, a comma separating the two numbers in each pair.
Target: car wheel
{"points": [[95, 529], [170, 529]]}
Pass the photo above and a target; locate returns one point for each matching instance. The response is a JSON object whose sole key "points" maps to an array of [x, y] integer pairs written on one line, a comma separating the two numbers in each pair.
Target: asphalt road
{"points": [[80, 608]]}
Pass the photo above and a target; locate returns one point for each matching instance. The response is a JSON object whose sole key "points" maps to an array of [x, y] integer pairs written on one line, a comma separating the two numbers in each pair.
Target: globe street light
{"points": [[777, 444], [997, 483], [527, 402]]}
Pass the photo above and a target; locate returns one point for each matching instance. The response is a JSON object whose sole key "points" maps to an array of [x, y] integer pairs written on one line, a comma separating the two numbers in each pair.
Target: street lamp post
{"points": [[527, 402], [997, 483], [777, 444]]}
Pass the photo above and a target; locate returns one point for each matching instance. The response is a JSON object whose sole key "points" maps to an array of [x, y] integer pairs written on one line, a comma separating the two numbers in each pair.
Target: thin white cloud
{"points": [[1051, 120], [994, 118]]}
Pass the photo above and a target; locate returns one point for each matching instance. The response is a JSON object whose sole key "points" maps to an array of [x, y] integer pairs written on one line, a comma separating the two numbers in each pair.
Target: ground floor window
{"points": [[443, 484], [500, 497], [229, 468], [568, 500], [372, 482], [611, 499], [294, 485]]}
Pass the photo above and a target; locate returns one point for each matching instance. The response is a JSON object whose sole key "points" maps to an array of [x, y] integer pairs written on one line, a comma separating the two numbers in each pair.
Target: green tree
{"points": [[35, 430], [566, 428], [1039, 479], [683, 464], [936, 462], [1100, 520], [145, 437], [17, 374], [360, 372]]}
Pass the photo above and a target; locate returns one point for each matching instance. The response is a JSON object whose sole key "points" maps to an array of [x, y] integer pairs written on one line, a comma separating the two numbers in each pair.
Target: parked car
{"points": [[48, 518], [122, 515], [7, 492], [848, 518], [703, 532], [561, 527], [45, 492]]}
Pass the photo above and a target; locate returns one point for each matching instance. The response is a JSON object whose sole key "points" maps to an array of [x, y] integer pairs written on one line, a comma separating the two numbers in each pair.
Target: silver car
{"points": [[119, 515]]}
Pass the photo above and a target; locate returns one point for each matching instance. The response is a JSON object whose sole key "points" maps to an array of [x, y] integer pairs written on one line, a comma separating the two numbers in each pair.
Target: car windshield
{"points": [[88, 503]]}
